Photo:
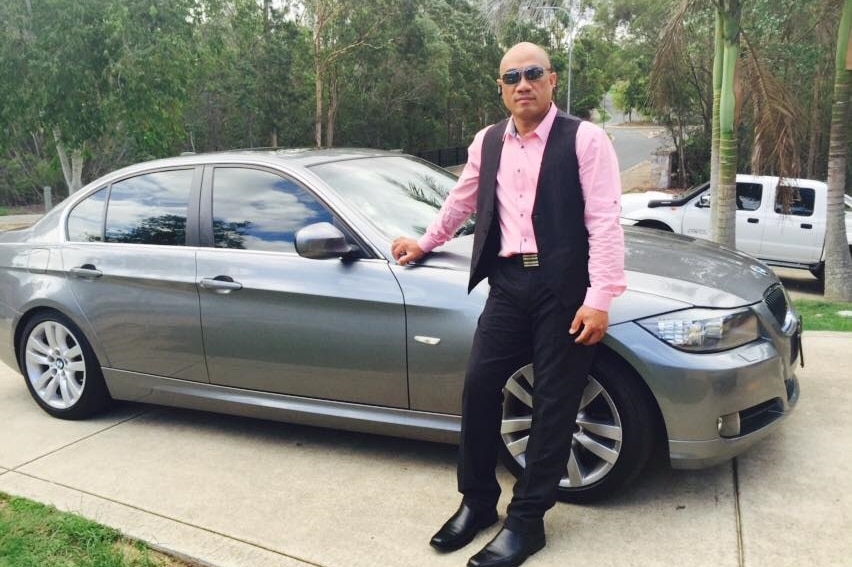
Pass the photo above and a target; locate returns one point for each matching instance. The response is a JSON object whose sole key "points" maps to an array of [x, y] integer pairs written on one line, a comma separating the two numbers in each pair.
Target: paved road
{"points": [[634, 144], [237, 492]]}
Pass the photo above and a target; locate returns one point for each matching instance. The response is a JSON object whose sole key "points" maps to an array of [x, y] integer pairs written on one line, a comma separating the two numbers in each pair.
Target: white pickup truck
{"points": [[793, 236]]}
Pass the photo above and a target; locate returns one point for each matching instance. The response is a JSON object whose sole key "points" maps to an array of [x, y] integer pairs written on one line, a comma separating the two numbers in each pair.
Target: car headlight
{"points": [[705, 330]]}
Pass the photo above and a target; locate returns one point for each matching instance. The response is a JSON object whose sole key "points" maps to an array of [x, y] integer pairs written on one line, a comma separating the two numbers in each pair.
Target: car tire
{"points": [[60, 368], [615, 432]]}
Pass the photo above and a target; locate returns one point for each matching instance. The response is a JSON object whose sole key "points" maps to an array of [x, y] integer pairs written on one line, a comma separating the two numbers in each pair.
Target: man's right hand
{"points": [[406, 250]]}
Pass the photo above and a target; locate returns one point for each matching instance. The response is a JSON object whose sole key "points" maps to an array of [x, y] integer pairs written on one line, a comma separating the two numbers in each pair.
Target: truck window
{"points": [[795, 201], [749, 196]]}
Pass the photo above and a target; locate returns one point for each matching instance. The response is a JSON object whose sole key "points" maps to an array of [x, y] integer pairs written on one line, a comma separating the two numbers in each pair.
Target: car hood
{"points": [[686, 270], [632, 202]]}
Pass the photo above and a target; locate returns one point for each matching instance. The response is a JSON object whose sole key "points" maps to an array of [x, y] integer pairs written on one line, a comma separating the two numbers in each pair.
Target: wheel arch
{"points": [[655, 224], [610, 354], [36, 309]]}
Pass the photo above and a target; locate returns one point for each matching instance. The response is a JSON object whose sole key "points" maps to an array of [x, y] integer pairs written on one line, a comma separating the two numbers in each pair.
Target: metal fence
{"points": [[445, 157]]}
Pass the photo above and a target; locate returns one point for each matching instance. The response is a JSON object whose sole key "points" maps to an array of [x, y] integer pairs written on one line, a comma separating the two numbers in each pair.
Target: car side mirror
{"points": [[704, 201], [322, 241]]}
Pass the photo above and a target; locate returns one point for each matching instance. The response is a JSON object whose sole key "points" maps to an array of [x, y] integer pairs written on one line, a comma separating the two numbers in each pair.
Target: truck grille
{"points": [[777, 303]]}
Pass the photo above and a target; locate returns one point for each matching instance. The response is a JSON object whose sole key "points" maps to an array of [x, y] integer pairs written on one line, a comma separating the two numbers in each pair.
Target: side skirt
{"points": [[379, 420]]}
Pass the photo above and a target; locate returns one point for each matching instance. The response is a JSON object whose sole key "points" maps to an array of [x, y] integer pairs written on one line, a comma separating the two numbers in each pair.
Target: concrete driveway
{"points": [[237, 492]]}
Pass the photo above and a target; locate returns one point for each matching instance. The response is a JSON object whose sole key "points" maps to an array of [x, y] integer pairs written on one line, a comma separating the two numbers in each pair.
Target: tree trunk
{"points": [[723, 229], [333, 103], [318, 70], [838, 263], [76, 170], [63, 159], [717, 95], [318, 118], [814, 123]]}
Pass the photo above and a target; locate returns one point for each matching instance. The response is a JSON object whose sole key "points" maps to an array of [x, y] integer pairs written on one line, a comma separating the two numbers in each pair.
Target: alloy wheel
{"points": [[597, 440], [55, 365]]}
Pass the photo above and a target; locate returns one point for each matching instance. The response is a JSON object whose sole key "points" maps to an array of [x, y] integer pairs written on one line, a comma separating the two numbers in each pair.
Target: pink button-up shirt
{"points": [[517, 179]]}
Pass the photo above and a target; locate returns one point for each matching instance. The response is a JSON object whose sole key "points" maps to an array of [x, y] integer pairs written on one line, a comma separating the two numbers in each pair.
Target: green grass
{"points": [[35, 535], [822, 316], [3, 211]]}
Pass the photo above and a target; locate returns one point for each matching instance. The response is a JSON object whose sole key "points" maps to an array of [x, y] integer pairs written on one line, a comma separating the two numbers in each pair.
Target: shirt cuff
{"points": [[598, 299], [426, 244]]}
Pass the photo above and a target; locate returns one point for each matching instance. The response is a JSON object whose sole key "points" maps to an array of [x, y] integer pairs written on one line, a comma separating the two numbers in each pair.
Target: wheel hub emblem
{"points": [[60, 364]]}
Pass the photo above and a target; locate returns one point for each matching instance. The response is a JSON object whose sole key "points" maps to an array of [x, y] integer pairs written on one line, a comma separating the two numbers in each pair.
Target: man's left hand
{"points": [[594, 323]]}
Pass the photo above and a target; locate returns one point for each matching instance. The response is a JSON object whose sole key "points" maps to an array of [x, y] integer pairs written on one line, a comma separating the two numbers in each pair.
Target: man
{"points": [[546, 190]]}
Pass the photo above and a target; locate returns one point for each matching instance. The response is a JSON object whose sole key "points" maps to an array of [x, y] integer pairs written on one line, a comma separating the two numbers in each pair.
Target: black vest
{"points": [[557, 214]]}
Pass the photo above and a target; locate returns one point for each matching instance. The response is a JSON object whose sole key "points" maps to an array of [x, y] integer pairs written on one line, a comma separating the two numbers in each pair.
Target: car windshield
{"points": [[400, 195]]}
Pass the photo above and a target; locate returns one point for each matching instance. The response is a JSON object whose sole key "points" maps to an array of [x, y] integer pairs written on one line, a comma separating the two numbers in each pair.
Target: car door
{"points": [[796, 229], [277, 322], [749, 217], [129, 268]]}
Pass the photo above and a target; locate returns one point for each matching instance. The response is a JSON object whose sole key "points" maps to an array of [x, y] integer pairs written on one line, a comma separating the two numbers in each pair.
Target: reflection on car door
{"points": [[277, 322], [134, 277]]}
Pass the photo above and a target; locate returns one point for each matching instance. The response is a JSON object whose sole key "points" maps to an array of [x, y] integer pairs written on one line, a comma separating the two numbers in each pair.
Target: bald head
{"points": [[527, 91], [524, 51]]}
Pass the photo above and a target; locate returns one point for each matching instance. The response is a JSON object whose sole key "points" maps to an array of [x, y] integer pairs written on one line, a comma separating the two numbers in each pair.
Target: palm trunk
{"points": [[814, 124], [714, 130], [724, 228], [838, 264]]}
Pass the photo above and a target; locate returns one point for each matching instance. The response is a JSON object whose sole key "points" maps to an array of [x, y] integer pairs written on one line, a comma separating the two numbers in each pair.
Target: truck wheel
{"points": [[818, 271]]}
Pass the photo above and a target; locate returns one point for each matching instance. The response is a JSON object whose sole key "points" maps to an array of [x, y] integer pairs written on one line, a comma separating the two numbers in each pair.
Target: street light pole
{"points": [[570, 31]]}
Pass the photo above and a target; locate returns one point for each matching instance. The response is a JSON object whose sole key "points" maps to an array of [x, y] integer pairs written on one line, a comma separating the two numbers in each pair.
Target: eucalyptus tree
{"points": [[338, 27], [251, 84], [91, 70]]}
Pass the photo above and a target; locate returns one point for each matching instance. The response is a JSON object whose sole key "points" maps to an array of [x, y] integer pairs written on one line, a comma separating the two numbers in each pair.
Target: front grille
{"points": [[776, 300]]}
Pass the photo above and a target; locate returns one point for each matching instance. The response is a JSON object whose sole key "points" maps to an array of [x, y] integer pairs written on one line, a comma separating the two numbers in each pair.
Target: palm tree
{"points": [[775, 116], [838, 262]]}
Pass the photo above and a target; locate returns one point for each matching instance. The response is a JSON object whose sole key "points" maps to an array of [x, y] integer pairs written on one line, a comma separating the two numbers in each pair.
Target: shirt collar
{"points": [[542, 131]]}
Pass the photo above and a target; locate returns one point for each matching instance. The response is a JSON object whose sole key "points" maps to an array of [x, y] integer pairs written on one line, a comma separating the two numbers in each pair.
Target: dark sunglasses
{"points": [[531, 73]]}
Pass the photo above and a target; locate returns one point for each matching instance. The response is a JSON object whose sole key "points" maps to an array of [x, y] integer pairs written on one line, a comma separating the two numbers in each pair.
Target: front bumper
{"points": [[702, 454], [755, 384]]}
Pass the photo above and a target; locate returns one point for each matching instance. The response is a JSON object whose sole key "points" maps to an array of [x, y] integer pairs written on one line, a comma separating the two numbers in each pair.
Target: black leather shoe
{"points": [[461, 528], [508, 549]]}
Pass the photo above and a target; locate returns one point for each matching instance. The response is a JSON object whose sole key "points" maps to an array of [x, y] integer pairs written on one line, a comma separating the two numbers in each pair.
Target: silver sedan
{"points": [[261, 284]]}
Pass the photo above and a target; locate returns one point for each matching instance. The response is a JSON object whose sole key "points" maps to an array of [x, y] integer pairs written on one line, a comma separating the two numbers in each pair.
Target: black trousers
{"points": [[522, 322]]}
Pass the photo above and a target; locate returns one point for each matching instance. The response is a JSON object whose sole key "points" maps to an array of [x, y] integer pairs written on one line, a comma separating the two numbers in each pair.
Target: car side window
{"points": [[749, 196], [260, 210], [795, 201], [86, 219], [150, 208]]}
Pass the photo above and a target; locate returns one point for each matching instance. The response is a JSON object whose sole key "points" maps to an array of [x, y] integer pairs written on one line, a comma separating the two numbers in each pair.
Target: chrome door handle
{"points": [[87, 271], [220, 284]]}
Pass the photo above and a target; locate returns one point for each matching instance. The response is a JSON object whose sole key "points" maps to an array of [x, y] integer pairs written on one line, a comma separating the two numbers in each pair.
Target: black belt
{"points": [[522, 260]]}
